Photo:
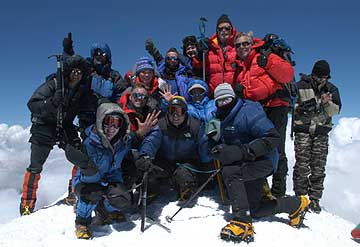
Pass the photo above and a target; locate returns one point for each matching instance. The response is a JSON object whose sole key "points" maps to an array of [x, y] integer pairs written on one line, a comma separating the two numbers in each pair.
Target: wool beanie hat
{"points": [[143, 64], [223, 90], [321, 69], [223, 18]]}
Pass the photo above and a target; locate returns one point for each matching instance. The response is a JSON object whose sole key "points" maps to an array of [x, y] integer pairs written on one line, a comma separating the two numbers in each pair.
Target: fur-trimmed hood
{"points": [[106, 109]]}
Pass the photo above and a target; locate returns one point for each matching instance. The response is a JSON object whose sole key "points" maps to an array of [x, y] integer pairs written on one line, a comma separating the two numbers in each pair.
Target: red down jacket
{"points": [[220, 69], [260, 83]]}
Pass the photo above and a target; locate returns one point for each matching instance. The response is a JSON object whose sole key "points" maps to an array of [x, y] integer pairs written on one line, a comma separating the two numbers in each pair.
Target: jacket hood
{"points": [[257, 43], [102, 46], [106, 109], [202, 83]]}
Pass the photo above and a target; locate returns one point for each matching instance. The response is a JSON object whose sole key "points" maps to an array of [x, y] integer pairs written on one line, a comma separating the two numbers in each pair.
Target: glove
{"points": [[57, 98], [239, 90], [150, 47], [262, 60], [68, 45], [212, 129], [145, 164], [90, 170], [80, 159], [75, 156], [203, 44], [229, 154]]}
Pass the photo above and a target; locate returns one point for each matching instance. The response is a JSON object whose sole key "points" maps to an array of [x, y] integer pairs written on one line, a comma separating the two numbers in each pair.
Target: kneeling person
{"points": [[247, 151], [99, 182], [176, 145]]}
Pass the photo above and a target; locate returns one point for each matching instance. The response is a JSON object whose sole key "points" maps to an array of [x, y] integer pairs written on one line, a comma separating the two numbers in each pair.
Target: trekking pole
{"points": [[202, 38], [143, 201], [169, 219], [219, 180]]}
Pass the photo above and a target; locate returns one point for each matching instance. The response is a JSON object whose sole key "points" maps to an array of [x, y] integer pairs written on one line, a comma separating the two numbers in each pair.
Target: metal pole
{"points": [[169, 219]]}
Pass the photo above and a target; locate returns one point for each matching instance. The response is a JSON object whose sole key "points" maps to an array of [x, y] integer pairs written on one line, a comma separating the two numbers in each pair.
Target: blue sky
{"points": [[32, 30]]}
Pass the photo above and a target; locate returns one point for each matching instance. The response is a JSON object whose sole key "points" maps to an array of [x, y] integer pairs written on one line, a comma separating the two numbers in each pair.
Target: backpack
{"points": [[277, 45]]}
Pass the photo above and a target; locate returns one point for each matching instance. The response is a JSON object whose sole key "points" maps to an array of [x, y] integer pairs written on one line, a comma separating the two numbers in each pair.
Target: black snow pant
{"points": [[178, 176], [244, 186], [43, 138], [39, 154], [279, 117]]}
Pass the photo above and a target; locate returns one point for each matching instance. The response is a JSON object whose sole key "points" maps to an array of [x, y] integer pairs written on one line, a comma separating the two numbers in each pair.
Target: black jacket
{"points": [[44, 115]]}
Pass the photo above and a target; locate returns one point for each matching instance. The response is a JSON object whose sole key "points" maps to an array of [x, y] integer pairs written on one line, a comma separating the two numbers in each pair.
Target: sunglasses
{"points": [[178, 111], [172, 58], [100, 53], [226, 28], [76, 72], [224, 101], [243, 44], [140, 96], [113, 121], [322, 78]]}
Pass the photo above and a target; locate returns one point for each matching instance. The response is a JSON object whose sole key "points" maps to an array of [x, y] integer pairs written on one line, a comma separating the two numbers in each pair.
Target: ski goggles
{"points": [[197, 92], [243, 44], [223, 101], [113, 121], [172, 58], [176, 110], [140, 96]]}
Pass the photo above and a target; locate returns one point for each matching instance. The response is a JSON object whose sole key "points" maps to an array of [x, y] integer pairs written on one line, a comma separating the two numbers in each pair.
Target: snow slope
{"points": [[197, 226]]}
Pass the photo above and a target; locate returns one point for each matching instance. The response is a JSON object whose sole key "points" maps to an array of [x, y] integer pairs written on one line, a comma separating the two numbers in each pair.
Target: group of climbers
{"points": [[218, 101]]}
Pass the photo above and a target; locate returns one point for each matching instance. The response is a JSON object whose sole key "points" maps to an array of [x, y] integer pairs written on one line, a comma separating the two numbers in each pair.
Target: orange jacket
{"points": [[259, 83], [132, 114]]}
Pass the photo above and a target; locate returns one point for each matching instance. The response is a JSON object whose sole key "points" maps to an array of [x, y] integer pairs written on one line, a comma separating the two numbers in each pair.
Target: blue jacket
{"points": [[247, 124], [174, 145], [205, 110], [106, 88], [108, 164], [103, 87], [178, 85]]}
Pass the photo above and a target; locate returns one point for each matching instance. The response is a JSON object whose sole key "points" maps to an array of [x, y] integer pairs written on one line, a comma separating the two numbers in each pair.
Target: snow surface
{"points": [[197, 226], [56, 224]]}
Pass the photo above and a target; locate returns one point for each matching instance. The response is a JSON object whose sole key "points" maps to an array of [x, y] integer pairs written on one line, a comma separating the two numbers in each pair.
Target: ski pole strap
{"points": [[193, 169]]}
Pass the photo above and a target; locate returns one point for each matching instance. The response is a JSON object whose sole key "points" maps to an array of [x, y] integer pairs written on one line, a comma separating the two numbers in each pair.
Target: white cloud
{"points": [[341, 194], [14, 158]]}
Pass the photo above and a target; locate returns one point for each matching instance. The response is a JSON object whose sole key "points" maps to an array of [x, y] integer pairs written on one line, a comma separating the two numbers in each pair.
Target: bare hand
{"points": [[326, 97], [150, 121], [167, 93]]}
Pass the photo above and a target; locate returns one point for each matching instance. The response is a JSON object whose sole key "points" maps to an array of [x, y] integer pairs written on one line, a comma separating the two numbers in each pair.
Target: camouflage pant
{"points": [[309, 169]]}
